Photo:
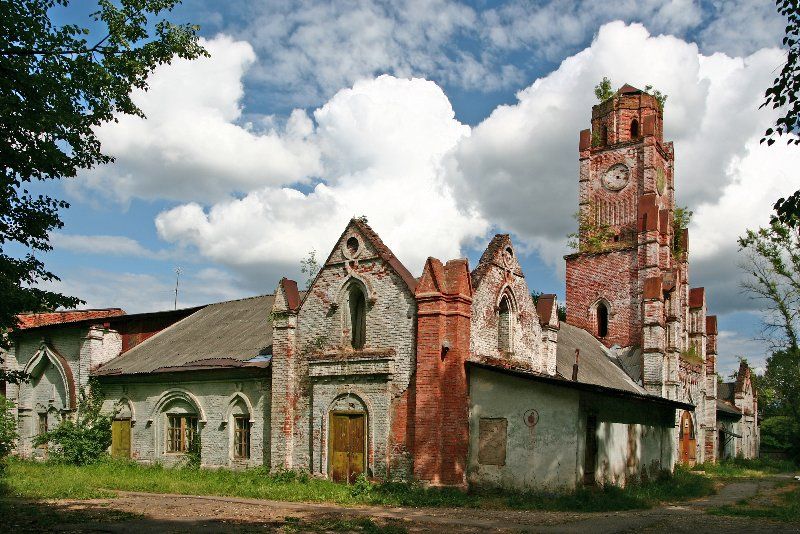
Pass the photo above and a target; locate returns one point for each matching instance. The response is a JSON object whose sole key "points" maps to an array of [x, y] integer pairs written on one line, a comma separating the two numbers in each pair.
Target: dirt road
{"points": [[146, 512]]}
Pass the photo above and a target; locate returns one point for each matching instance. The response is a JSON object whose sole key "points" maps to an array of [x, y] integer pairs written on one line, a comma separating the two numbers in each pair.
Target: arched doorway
{"points": [[348, 437], [687, 445]]}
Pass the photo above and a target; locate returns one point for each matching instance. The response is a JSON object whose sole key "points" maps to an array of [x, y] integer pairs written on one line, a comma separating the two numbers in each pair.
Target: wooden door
{"points": [[121, 438], [347, 446], [686, 440]]}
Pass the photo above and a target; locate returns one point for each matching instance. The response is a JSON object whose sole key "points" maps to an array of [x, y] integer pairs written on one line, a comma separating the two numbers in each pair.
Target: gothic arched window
{"points": [[602, 319], [504, 325], [634, 129], [358, 317]]}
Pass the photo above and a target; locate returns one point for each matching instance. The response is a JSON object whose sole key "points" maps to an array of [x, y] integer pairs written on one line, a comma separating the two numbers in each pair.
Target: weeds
{"points": [[787, 509]]}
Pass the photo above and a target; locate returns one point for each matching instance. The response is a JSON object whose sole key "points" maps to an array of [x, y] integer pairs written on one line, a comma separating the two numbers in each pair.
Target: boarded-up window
{"points": [[492, 437], [504, 325]]}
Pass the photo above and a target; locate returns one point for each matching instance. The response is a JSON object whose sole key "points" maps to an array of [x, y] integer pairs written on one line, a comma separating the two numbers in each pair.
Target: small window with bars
{"points": [[241, 436], [181, 432]]}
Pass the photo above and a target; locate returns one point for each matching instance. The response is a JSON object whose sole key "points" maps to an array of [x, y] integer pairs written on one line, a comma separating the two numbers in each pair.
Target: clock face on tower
{"points": [[616, 177]]}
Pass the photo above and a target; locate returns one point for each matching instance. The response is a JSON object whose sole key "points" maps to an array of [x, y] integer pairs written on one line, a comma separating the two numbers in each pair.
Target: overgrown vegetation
{"points": [[57, 481], [84, 439], [593, 235], [8, 431], [310, 267], [746, 467], [603, 90], [660, 97], [786, 508], [681, 217]]}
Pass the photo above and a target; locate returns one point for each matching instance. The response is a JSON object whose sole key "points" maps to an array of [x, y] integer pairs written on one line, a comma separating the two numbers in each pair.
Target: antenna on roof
{"points": [[178, 271]]}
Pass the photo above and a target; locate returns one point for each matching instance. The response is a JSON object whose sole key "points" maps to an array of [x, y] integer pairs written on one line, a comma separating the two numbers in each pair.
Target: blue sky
{"points": [[443, 122]]}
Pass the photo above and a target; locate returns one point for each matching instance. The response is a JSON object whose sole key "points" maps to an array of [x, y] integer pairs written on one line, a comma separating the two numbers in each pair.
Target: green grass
{"points": [[787, 509], [34, 480], [746, 468]]}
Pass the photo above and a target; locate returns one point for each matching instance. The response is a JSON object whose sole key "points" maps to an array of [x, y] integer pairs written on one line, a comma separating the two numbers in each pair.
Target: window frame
{"points": [[180, 437], [242, 428]]}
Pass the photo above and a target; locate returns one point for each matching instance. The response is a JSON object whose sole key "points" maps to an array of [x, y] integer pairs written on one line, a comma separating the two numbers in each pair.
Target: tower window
{"points": [[634, 129], [358, 317], [504, 325], [602, 320], [603, 135]]}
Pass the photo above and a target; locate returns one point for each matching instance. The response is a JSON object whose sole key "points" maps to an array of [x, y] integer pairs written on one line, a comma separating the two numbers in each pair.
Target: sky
{"points": [[442, 122]]}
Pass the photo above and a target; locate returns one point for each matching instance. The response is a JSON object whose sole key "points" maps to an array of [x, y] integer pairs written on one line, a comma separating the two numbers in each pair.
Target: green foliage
{"points": [[784, 93], [592, 236], [194, 451], [84, 439], [8, 429], [681, 218], [779, 431], [55, 90], [603, 90], [773, 268], [745, 467], [310, 267], [787, 210], [660, 97], [362, 487]]}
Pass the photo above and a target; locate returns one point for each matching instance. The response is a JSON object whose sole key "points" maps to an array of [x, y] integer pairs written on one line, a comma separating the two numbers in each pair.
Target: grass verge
{"points": [[746, 468], [785, 507], [34, 480]]}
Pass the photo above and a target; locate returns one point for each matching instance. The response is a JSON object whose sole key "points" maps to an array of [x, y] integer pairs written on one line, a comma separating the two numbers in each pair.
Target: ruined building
{"points": [[456, 377]]}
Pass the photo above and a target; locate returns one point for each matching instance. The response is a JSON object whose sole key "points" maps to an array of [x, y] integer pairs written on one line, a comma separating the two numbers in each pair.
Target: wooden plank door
{"points": [[686, 440], [348, 447], [121, 438]]}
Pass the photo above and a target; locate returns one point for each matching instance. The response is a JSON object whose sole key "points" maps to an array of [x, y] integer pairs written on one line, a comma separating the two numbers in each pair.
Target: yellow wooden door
{"points": [[347, 438], [121, 438]]}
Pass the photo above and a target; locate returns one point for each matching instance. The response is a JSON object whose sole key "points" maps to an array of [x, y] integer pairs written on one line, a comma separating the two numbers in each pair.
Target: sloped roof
{"points": [[595, 364], [222, 335], [34, 320], [385, 253], [724, 407], [725, 391]]}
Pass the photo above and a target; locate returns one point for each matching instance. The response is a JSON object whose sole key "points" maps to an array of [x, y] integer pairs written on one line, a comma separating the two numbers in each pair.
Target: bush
{"points": [[84, 439], [8, 429]]}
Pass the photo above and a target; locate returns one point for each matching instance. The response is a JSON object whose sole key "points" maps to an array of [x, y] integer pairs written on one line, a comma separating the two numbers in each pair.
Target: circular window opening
{"points": [[352, 246], [509, 252]]}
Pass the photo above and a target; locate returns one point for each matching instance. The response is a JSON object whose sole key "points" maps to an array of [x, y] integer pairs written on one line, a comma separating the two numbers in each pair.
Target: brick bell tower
{"points": [[626, 267]]}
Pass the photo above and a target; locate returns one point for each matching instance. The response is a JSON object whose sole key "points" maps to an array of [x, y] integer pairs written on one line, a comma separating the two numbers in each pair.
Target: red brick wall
{"points": [[441, 423], [612, 276]]}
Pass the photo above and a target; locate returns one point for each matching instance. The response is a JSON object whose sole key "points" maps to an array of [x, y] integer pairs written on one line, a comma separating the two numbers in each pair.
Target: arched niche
{"points": [[45, 359], [180, 400], [239, 404]]}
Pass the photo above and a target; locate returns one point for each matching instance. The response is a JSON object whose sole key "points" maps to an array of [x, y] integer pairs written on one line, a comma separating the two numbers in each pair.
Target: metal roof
{"points": [[596, 364], [222, 335]]}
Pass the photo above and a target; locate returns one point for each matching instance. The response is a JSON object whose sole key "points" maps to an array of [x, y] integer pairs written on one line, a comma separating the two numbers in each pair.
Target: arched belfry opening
{"points": [[357, 302], [634, 129], [602, 319]]}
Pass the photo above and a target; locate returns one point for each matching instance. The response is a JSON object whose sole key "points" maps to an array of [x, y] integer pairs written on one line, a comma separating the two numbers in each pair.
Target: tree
{"points": [[785, 93], [310, 267], [55, 89], [773, 266], [603, 90], [785, 90]]}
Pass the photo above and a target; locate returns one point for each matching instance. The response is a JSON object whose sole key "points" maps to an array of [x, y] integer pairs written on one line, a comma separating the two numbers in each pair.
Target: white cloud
{"points": [[381, 144], [113, 245], [191, 146], [519, 167]]}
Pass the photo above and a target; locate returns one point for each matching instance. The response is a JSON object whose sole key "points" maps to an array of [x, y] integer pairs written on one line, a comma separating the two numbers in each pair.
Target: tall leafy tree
{"points": [[785, 95], [58, 83]]}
